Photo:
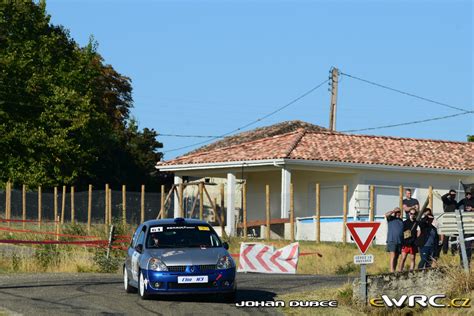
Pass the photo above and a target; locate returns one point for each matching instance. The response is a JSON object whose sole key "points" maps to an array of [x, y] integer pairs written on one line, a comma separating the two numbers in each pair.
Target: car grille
{"points": [[202, 268], [175, 285]]}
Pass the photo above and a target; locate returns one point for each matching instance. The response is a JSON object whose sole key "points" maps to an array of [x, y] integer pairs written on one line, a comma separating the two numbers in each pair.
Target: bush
{"points": [[347, 268], [47, 255], [104, 264]]}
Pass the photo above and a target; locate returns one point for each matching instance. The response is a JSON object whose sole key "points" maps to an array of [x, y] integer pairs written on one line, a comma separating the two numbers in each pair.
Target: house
{"points": [[305, 155]]}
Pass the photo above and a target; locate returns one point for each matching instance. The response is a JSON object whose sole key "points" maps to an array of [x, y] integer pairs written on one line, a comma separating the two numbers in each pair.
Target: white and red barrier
{"points": [[257, 257]]}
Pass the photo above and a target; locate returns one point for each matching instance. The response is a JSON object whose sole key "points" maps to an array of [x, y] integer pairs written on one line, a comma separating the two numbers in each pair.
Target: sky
{"points": [[209, 67]]}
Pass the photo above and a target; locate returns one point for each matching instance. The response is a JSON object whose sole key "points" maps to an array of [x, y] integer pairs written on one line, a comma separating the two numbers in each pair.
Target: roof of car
{"points": [[175, 221]]}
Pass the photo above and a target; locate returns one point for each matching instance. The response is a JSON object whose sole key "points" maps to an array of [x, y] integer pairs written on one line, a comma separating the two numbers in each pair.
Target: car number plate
{"points": [[192, 279]]}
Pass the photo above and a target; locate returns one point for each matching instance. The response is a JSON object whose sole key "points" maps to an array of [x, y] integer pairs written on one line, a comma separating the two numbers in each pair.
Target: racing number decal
{"points": [[135, 265]]}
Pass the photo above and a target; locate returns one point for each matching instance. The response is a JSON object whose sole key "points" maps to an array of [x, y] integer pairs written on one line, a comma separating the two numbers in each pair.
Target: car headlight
{"points": [[225, 262], [156, 264]]}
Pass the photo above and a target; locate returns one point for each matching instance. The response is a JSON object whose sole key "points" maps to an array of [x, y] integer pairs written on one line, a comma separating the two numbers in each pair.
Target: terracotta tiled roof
{"points": [[259, 133], [338, 147]]}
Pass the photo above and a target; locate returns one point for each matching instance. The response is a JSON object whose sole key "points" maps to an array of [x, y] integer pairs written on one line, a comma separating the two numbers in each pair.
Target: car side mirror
{"points": [[225, 245], [139, 248]]}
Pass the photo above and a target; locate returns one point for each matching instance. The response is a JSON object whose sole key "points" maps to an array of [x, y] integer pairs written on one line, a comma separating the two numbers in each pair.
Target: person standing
{"points": [[468, 201], [449, 205], [410, 227], [427, 241], [468, 243], [394, 236], [409, 202]]}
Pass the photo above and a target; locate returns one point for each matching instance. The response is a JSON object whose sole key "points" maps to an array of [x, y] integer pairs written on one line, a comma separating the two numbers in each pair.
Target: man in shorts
{"points": [[410, 227], [394, 236]]}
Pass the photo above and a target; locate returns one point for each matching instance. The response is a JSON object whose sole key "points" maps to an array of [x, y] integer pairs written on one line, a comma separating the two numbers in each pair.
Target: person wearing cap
{"points": [[410, 226], [427, 241], [394, 236]]}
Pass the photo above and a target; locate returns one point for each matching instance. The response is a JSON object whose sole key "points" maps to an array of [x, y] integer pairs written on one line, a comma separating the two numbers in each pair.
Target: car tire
{"points": [[142, 288], [229, 297], [126, 282]]}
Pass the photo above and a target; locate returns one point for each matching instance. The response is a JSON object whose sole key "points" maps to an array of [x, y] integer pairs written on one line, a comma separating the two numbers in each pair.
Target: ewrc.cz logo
{"points": [[420, 300]]}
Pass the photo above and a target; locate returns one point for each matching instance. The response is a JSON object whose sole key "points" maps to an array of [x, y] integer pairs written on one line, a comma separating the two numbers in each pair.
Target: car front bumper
{"points": [[219, 281]]}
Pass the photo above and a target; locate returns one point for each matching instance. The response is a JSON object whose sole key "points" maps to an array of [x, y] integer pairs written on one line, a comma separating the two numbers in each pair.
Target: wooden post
{"points": [[344, 215], [372, 203], [430, 197], [89, 208], [219, 214], [106, 211], [73, 211], [39, 207], [124, 205], [110, 206], [63, 204], [222, 204], [162, 201], [23, 204], [332, 111], [57, 227], [292, 213], [214, 207], [142, 205], [201, 201], [318, 213], [181, 200], [244, 208], [400, 194], [267, 211], [55, 202]]}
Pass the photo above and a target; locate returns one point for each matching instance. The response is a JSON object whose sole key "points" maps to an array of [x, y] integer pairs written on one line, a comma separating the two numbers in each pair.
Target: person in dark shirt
{"points": [[410, 227], [468, 208], [466, 202], [409, 202], [394, 236], [449, 205], [427, 241]]}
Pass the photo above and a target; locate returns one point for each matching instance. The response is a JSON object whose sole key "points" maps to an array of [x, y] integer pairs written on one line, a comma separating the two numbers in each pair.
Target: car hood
{"points": [[188, 256]]}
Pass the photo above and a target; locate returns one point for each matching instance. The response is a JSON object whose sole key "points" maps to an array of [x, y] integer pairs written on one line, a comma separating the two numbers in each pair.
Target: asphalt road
{"points": [[103, 294]]}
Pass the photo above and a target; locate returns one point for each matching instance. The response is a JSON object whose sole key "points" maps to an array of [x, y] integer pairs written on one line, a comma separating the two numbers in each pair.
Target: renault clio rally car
{"points": [[178, 256]]}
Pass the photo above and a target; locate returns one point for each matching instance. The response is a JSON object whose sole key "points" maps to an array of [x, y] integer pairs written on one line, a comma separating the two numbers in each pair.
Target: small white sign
{"points": [[158, 229], [364, 259], [192, 279]]}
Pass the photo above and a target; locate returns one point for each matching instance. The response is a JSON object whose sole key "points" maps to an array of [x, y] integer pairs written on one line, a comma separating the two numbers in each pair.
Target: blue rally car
{"points": [[178, 256]]}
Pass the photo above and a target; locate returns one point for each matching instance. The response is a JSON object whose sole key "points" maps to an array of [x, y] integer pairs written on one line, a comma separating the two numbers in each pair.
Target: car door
{"points": [[130, 250], [135, 255]]}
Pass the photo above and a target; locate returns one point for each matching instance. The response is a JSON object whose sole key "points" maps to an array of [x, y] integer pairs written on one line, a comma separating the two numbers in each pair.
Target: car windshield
{"points": [[182, 236]]}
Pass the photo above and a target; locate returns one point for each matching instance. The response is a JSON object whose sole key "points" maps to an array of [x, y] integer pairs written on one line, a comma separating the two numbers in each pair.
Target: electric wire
{"points": [[254, 121]]}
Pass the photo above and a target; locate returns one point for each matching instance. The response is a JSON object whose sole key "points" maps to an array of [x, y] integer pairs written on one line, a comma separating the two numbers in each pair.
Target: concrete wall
{"points": [[427, 282]]}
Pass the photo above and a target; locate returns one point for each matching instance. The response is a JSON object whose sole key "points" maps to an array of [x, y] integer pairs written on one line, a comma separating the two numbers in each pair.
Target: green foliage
{"points": [[470, 138], [64, 114], [75, 229], [16, 259], [104, 264], [47, 255], [347, 268]]}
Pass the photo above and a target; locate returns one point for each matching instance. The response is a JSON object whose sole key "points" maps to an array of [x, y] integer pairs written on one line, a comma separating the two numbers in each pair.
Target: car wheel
{"points": [[126, 282], [142, 287]]}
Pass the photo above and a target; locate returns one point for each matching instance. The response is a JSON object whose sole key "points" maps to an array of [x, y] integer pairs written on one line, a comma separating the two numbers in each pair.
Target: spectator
{"points": [[449, 205], [410, 227], [427, 241], [394, 236], [409, 202], [467, 208], [468, 201]]}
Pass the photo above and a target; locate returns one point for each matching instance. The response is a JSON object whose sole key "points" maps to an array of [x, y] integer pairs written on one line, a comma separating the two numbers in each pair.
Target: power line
{"points": [[408, 123], [403, 92], [190, 136], [255, 121]]}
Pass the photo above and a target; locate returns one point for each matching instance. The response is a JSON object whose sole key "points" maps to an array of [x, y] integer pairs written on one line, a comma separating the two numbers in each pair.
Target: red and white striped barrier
{"points": [[256, 257]]}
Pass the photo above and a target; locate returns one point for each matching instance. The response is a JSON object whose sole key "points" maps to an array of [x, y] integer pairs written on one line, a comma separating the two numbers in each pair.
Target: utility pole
{"points": [[333, 109]]}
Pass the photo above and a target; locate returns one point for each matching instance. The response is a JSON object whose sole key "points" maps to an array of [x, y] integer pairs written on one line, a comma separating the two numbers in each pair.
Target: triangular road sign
{"points": [[363, 233]]}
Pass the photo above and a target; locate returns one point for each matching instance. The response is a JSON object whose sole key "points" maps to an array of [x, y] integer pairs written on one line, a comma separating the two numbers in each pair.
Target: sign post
{"points": [[363, 233]]}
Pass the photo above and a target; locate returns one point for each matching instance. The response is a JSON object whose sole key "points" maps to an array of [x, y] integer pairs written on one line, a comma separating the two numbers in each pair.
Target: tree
{"points": [[470, 138], [64, 114]]}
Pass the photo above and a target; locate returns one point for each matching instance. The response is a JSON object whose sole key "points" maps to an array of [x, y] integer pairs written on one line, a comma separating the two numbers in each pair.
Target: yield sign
{"points": [[363, 233]]}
